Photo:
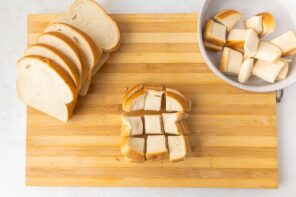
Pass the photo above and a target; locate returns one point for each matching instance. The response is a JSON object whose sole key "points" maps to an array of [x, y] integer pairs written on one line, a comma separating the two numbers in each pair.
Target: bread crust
{"points": [[130, 154], [100, 63], [186, 103], [157, 156], [127, 105], [187, 149], [208, 37], [212, 47], [268, 23], [220, 16]]}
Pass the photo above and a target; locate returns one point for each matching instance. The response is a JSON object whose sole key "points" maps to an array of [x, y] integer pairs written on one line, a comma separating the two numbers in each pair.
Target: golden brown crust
{"points": [[127, 105], [293, 52], [226, 13], [268, 23], [100, 63], [207, 34], [224, 60], [237, 45], [157, 156], [212, 47], [130, 154], [186, 104]]}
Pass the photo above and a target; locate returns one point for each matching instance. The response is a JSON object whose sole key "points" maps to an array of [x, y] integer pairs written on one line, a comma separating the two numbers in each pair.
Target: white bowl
{"points": [[282, 10]]}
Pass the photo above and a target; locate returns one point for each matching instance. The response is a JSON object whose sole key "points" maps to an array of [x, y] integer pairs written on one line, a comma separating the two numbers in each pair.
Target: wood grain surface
{"points": [[234, 138]]}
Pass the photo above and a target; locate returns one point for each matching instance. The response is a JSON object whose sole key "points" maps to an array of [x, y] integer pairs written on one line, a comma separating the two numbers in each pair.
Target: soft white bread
{"points": [[228, 18], [153, 124], [236, 39], [284, 72], [60, 42], [153, 100], [173, 123], [88, 51], [268, 23], [133, 149], [268, 52], [231, 61], [255, 23], [286, 42], [136, 102], [268, 71], [179, 147], [251, 43], [215, 33], [246, 70], [45, 86], [156, 148], [131, 125], [176, 101], [101, 62], [212, 47], [56, 56], [91, 18]]}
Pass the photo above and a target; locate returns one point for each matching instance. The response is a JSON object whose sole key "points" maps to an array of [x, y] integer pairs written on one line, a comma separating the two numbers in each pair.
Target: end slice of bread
{"points": [[100, 63], [153, 100], [246, 70], [90, 17], [236, 39], [251, 43], [231, 61], [212, 47], [286, 42], [156, 148], [132, 125], [268, 71], [176, 101], [268, 52], [228, 18], [45, 86], [179, 147], [133, 149], [153, 124], [268, 23], [215, 33], [255, 23]]}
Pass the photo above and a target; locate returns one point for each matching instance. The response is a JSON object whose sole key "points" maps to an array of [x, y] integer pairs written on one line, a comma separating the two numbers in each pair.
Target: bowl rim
{"points": [[263, 88]]}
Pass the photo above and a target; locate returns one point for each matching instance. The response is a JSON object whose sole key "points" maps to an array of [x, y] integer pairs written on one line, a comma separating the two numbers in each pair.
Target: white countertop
{"points": [[13, 117]]}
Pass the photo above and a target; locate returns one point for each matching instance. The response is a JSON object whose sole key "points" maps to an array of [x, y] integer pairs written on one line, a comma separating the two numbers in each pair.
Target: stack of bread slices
{"points": [[154, 124], [70, 51], [244, 53]]}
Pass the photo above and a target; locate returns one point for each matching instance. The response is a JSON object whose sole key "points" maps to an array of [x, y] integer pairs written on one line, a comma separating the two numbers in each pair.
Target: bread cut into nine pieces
{"points": [[244, 52], [68, 54], [154, 124]]}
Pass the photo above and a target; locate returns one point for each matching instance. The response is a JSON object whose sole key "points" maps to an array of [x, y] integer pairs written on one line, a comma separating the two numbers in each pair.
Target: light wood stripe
{"points": [[159, 37]]}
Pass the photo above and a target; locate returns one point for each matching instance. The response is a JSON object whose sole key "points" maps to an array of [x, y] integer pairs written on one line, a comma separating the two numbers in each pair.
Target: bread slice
{"points": [[268, 71], [60, 42], [132, 125], [173, 123], [246, 70], [228, 18], [101, 62], [231, 61], [268, 23], [153, 100], [284, 72], [236, 39], [251, 43], [88, 51], [291, 53], [153, 124], [133, 149], [176, 101], [45, 86], [156, 148], [179, 147], [268, 52], [56, 56], [286, 42], [255, 23], [89, 17], [212, 47], [215, 33]]}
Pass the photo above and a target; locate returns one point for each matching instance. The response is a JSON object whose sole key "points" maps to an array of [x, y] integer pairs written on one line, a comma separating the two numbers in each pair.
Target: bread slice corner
{"points": [[286, 42], [231, 61], [268, 23], [133, 149], [156, 148], [179, 147], [228, 18], [214, 33]]}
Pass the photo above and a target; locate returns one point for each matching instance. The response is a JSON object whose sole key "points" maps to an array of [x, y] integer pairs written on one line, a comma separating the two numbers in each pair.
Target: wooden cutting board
{"points": [[234, 138]]}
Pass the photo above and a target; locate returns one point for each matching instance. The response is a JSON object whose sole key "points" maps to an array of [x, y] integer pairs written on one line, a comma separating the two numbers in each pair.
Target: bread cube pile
{"points": [[154, 124], [69, 52], [244, 52]]}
